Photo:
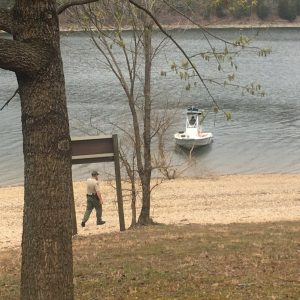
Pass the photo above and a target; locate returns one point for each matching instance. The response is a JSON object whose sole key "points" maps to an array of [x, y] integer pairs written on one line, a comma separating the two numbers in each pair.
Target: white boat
{"points": [[193, 136]]}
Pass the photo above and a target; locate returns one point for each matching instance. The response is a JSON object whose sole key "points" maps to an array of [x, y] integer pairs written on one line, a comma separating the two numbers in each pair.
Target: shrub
{"points": [[207, 12], [221, 11], [241, 12], [287, 9], [263, 10], [298, 7]]}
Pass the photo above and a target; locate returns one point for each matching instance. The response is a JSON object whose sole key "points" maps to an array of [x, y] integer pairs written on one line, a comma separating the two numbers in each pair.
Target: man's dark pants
{"points": [[93, 202]]}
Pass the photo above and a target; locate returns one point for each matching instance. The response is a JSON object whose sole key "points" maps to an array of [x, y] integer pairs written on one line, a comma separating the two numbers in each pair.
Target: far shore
{"points": [[237, 25], [242, 25], [224, 199]]}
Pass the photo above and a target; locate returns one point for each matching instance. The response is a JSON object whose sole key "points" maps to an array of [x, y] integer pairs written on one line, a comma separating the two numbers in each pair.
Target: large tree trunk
{"points": [[144, 217], [47, 267]]}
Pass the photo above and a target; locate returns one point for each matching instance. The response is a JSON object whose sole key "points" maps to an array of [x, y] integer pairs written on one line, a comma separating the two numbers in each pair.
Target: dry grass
{"points": [[237, 261]]}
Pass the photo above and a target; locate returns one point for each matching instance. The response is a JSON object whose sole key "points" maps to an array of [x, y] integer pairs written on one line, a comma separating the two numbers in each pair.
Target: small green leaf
{"points": [[228, 116]]}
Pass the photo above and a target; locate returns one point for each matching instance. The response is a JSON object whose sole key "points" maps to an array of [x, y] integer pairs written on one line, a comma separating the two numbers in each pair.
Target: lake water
{"points": [[262, 137]]}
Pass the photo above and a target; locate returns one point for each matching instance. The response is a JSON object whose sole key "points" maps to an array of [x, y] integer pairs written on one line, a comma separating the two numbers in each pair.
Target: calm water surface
{"points": [[262, 137]]}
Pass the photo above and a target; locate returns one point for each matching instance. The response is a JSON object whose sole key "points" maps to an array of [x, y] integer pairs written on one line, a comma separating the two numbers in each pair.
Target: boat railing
{"points": [[194, 110]]}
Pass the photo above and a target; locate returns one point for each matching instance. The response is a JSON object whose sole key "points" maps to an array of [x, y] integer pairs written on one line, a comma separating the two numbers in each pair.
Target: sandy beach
{"points": [[208, 200]]}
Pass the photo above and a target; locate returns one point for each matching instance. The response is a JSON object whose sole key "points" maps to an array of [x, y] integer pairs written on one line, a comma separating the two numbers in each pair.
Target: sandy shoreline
{"points": [[207, 200], [242, 25]]}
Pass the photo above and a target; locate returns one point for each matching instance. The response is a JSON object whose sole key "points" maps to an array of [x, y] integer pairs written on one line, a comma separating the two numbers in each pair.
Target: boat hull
{"points": [[189, 143]]}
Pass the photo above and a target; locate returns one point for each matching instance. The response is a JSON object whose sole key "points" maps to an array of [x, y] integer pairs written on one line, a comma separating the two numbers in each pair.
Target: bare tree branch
{"points": [[22, 57], [71, 3], [204, 31], [7, 102], [179, 47], [6, 21]]}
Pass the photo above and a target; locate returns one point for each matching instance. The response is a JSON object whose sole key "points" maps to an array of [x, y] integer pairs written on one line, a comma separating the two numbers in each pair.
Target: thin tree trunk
{"points": [[133, 204], [144, 217], [47, 267]]}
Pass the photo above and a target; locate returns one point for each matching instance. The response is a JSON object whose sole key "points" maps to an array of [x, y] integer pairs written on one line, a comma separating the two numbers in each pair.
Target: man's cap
{"points": [[95, 173]]}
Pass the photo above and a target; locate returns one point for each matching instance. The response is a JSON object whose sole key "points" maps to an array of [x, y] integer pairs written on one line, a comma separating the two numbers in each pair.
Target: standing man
{"points": [[94, 199]]}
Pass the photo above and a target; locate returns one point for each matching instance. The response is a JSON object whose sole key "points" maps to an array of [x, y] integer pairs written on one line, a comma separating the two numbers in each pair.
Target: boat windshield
{"points": [[192, 121]]}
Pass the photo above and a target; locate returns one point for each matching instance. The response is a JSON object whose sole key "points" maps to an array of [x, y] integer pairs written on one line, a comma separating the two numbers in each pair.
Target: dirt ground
{"points": [[208, 200]]}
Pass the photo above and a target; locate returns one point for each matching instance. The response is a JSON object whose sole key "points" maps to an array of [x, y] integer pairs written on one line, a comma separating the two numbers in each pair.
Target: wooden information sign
{"points": [[102, 148]]}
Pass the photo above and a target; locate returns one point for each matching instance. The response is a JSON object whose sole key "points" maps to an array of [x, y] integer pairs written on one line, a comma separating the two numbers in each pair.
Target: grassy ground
{"points": [[238, 261]]}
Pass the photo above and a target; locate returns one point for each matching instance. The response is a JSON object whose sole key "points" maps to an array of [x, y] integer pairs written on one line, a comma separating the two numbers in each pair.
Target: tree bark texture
{"points": [[47, 267], [6, 22], [144, 217]]}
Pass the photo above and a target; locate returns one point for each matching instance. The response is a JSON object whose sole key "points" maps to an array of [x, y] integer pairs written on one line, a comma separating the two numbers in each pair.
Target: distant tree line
{"points": [[289, 9], [237, 9], [285, 9]]}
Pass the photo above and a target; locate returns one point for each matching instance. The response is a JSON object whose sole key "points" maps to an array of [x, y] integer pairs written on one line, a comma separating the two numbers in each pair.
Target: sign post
{"points": [[92, 149]]}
